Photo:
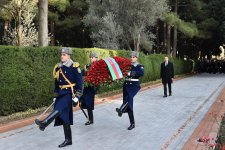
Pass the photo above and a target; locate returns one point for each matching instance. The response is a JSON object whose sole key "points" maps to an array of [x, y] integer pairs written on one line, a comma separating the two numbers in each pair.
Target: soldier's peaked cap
{"points": [[134, 53], [93, 54], [66, 50]]}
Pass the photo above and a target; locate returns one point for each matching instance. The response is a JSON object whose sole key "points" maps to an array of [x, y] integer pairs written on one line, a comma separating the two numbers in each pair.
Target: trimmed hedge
{"points": [[221, 136], [26, 80]]}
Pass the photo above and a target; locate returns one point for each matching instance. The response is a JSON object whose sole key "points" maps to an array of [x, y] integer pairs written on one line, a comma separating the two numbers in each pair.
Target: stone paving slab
{"points": [[161, 123], [208, 127]]}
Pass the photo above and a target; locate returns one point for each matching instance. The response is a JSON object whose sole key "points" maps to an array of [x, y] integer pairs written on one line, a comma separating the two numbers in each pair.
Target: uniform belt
{"points": [[129, 79], [66, 86]]}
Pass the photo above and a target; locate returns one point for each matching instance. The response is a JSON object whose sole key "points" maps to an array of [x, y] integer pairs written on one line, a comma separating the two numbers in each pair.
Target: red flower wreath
{"points": [[99, 73]]}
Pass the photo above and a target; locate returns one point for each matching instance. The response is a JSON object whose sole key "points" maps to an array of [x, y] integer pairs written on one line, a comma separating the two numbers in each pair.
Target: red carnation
{"points": [[99, 72]]}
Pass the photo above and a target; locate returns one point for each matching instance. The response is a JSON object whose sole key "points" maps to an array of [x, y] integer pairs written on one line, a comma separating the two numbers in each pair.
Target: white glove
{"points": [[54, 99], [75, 99], [128, 73]]}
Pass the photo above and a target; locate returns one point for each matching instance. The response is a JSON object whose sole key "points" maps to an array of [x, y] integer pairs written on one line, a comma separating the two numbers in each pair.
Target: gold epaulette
{"points": [[76, 64], [56, 73]]}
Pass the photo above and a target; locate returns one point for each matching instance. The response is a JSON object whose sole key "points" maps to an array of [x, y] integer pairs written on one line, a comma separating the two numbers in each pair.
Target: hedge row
{"points": [[221, 135], [26, 74]]}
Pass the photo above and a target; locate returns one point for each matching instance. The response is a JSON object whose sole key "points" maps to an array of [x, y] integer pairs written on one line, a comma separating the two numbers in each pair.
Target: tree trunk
{"points": [[43, 23], [6, 27], [19, 28], [52, 33], [163, 49], [175, 41], [164, 35], [168, 39], [128, 45], [175, 32], [157, 38], [138, 42]]}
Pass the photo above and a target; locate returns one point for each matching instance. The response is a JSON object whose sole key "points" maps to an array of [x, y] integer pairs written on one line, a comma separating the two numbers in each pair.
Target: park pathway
{"points": [[161, 123]]}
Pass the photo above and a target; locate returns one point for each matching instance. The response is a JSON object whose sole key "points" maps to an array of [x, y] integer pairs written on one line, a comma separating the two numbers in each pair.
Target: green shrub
{"points": [[221, 135], [26, 80]]}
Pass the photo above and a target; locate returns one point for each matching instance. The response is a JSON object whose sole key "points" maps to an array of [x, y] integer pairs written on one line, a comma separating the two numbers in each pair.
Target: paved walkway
{"points": [[161, 123]]}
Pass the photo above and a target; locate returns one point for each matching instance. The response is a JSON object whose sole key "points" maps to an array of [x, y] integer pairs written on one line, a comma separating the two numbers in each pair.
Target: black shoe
{"points": [[170, 94], [65, 143], [43, 124], [40, 124], [122, 109], [119, 112], [132, 126], [75, 104], [165, 96], [89, 123], [90, 117], [68, 136]]}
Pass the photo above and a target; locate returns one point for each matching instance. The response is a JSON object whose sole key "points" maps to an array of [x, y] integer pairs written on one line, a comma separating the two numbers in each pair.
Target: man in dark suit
{"points": [[167, 75]]}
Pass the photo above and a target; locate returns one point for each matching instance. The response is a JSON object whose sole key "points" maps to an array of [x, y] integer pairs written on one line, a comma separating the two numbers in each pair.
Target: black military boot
{"points": [[132, 126], [43, 124], [122, 109], [131, 117], [68, 136], [90, 117]]}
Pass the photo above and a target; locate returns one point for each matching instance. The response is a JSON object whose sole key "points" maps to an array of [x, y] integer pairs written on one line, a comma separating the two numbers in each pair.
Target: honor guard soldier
{"points": [[130, 89], [87, 100], [68, 90]]}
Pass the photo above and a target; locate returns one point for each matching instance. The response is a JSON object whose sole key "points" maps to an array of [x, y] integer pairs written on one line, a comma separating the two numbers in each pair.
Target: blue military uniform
{"points": [[87, 99], [130, 89], [68, 84], [131, 85], [68, 90]]}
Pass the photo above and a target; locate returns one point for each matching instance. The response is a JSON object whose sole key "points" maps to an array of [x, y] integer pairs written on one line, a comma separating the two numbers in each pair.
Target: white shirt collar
{"points": [[135, 64]]}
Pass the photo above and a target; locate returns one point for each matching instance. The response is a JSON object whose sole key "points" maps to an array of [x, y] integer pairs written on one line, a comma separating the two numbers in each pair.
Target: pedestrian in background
{"points": [[167, 75]]}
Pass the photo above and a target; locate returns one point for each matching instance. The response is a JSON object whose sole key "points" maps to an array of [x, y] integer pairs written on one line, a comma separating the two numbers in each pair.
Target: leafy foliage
{"points": [[26, 74], [22, 12], [200, 23], [67, 17], [123, 24]]}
